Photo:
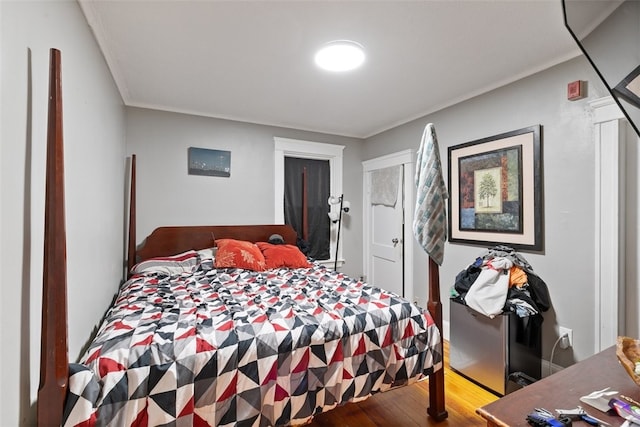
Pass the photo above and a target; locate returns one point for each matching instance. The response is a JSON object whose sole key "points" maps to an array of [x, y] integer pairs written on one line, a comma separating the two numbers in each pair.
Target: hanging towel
{"points": [[384, 186], [430, 218]]}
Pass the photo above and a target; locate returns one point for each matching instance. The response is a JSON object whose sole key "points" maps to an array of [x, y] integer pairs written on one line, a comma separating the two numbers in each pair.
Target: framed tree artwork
{"points": [[495, 187]]}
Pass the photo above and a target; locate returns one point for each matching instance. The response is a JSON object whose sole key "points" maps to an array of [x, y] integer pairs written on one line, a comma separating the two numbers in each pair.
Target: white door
{"points": [[387, 242]]}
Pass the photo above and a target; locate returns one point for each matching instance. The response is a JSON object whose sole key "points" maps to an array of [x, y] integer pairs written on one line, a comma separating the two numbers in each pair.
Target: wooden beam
{"points": [[54, 358]]}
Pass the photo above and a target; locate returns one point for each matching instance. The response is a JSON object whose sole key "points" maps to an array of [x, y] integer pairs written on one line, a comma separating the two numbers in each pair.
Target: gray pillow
{"points": [[276, 239]]}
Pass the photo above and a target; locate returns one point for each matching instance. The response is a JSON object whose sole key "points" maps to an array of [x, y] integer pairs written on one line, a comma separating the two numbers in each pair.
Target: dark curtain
{"points": [[318, 182]]}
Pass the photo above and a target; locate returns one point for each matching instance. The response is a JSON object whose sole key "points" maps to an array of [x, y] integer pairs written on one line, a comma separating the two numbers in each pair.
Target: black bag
{"points": [[303, 245], [539, 292]]}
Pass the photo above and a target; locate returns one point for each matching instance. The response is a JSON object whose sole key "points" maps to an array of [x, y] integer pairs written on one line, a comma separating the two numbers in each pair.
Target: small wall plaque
{"points": [[576, 90], [203, 161]]}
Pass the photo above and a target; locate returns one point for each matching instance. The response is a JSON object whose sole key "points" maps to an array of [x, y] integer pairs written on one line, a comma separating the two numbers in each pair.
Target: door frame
{"points": [[407, 159], [609, 135]]}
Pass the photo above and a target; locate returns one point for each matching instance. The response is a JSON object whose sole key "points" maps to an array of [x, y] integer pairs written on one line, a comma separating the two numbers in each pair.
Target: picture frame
{"points": [[204, 161], [629, 88], [496, 192]]}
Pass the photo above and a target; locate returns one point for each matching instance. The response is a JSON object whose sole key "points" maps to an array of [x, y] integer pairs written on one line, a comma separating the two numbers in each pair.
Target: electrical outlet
{"points": [[569, 333]]}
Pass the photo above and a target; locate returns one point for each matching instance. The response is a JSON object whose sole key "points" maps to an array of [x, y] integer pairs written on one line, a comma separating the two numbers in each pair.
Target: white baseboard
{"points": [[545, 368]]}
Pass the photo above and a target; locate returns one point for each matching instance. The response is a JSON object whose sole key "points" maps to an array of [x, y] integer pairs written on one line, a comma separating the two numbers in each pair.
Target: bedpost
{"points": [[54, 359], [131, 252], [436, 380]]}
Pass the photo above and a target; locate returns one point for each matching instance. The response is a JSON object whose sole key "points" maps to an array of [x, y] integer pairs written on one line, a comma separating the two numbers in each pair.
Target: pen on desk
{"points": [[630, 400]]}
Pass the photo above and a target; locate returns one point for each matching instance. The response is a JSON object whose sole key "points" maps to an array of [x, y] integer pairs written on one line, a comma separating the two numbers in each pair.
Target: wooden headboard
{"points": [[165, 241]]}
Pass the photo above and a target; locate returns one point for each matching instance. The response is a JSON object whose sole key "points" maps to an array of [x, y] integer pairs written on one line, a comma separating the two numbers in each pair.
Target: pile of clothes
{"points": [[501, 281]]}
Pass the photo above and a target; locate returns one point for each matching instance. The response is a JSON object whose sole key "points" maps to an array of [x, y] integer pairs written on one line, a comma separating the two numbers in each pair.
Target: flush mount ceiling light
{"points": [[340, 55]]}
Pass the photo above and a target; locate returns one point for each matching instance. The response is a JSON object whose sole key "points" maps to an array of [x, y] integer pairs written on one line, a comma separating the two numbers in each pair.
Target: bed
{"points": [[215, 326]]}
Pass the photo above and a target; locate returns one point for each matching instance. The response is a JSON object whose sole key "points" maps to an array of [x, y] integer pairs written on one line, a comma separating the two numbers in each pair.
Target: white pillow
{"points": [[207, 253], [176, 264]]}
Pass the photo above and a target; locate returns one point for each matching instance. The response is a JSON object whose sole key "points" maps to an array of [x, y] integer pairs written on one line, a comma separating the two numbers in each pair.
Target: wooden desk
{"points": [[563, 390]]}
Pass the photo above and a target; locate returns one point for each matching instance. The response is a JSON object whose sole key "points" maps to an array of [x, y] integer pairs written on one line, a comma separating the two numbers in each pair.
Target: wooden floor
{"points": [[407, 406]]}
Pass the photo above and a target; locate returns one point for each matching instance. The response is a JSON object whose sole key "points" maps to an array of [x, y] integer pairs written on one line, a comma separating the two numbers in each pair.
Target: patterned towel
{"points": [[430, 218]]}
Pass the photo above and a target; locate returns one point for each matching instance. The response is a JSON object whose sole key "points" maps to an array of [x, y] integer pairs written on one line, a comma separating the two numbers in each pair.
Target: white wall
{"points": [[566, 264], [95, 168], [167, 195]]}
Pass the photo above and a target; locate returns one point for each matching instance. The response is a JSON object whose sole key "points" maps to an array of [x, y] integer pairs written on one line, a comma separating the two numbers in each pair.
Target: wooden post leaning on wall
{"points": [[54, 358]]}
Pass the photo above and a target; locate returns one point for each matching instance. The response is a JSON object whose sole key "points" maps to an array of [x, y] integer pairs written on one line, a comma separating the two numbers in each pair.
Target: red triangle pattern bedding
{"points": [[233, 347]]}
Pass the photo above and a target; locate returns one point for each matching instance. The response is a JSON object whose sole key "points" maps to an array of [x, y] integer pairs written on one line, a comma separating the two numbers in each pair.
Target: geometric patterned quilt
{"points": [[232, 347]]}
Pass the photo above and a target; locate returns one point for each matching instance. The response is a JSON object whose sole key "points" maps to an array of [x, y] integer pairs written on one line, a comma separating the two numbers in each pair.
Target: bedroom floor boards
{"points": [[407, 406]]}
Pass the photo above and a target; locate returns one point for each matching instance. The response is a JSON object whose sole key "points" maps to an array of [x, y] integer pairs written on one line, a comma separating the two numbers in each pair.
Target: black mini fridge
{"points": [[501, 354]]}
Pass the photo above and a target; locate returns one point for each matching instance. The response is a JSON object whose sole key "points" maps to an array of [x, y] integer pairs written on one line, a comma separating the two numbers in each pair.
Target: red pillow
{"points": [[238, 254], [283, 256]]}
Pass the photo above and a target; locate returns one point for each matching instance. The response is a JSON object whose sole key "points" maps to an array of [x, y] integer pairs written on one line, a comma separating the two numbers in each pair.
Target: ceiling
{"points": [[252, 61]]}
